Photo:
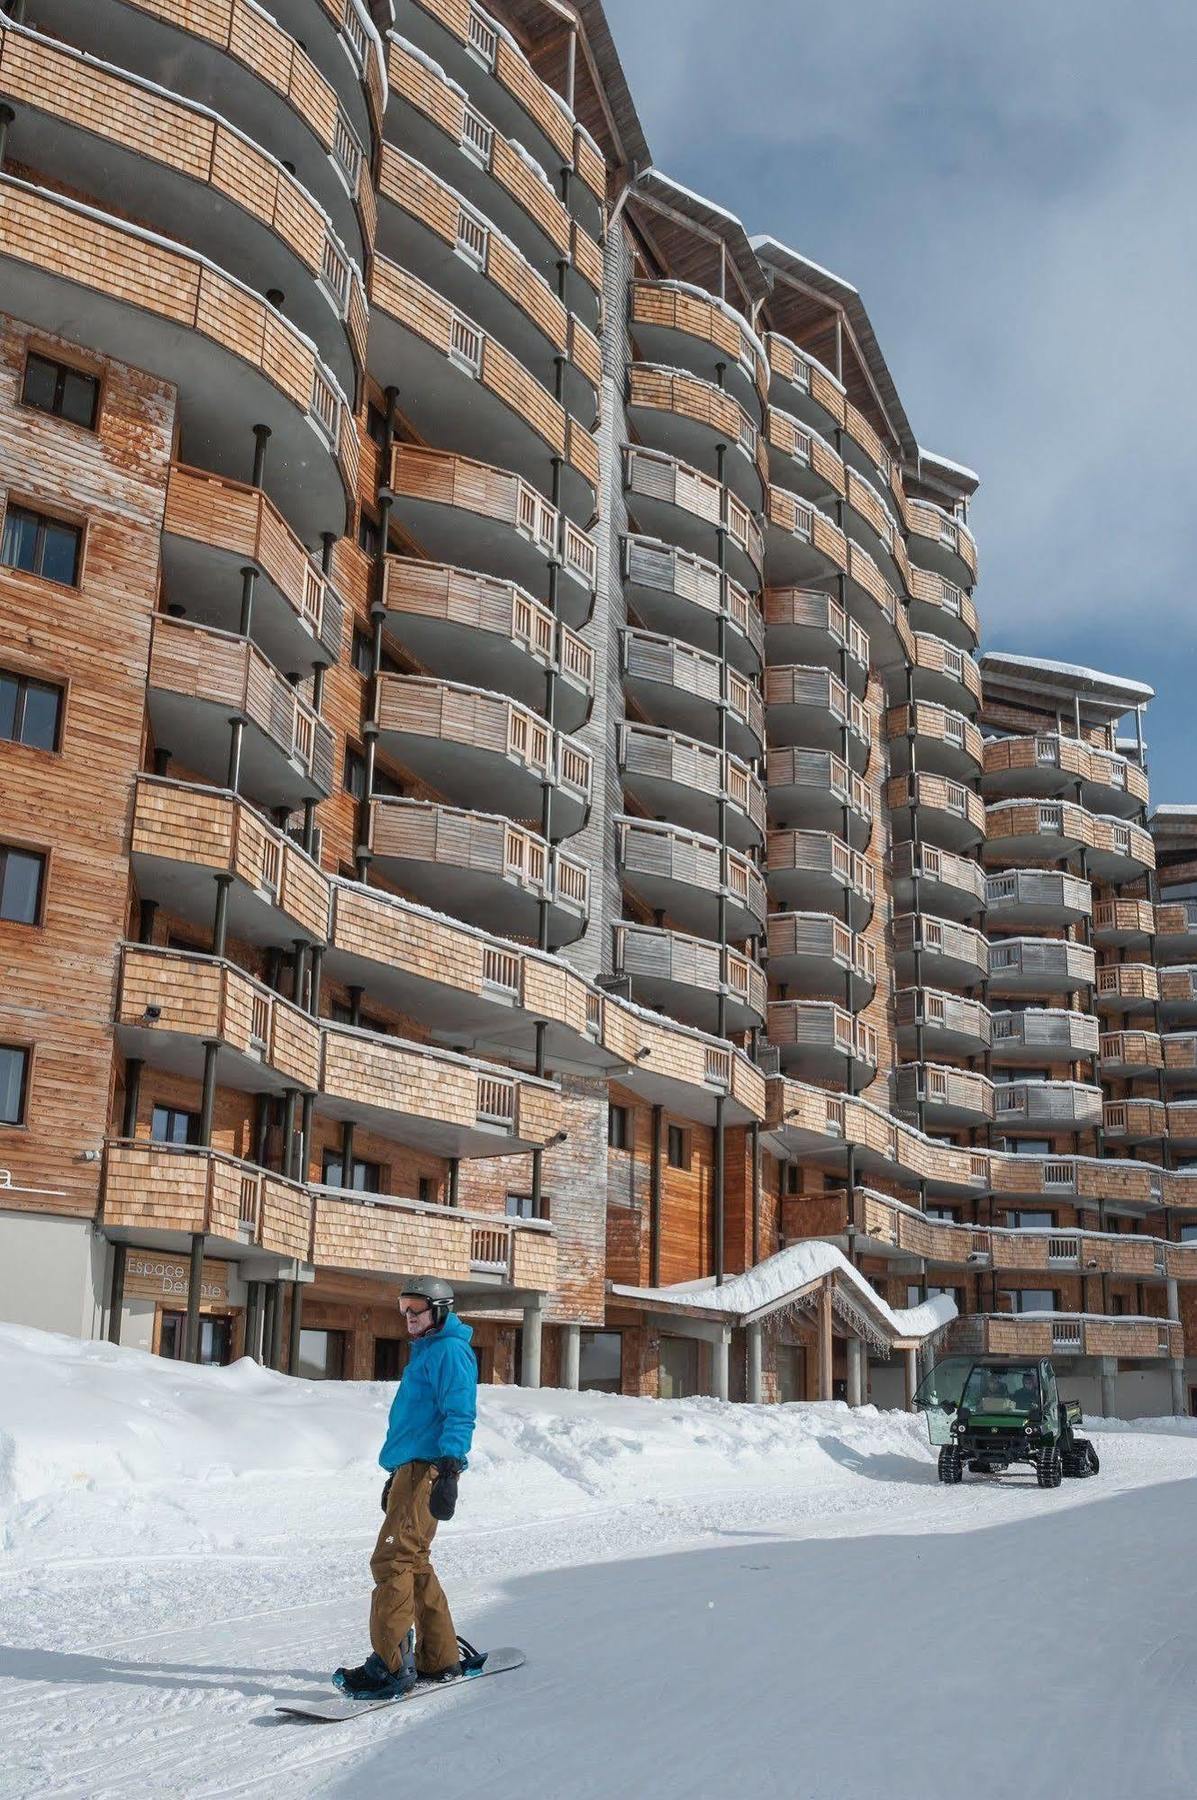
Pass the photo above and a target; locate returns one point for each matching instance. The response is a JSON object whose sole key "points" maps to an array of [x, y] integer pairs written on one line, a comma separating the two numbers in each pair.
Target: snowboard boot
{"points": [[469, 1663], [374, 1681]]}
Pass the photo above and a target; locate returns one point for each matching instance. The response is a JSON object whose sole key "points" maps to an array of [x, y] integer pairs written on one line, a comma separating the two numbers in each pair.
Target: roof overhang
{"points": [[696, 239], [1109, 696]]}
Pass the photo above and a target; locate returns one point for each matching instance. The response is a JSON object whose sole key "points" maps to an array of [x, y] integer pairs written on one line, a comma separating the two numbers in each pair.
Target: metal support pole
{"points": [[133, 1070], [537, 1175], [289, 1099], [249, 576], [314, 985], [720, 1360], [347, 1154], [276, 1327], [208, 1092], [268, 1301], [220, 921], [911, 1373], [307, 1118], [654, 1201], [296, 1327], [194, 1283], [717, 1191], [454, 1180], [855, 1372], [261, 439], [116, 1293], [233, 778]]}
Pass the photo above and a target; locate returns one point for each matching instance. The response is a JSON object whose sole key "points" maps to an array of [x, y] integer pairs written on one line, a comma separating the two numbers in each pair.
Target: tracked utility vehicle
{"points": [[986, 1412]]}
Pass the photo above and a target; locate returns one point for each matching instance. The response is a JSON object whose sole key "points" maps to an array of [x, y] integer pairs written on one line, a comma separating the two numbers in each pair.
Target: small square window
{"points": [[619, 1128], [57, 388], [30, 711], [173, 1125], [14, 1082], [367, 1176], [37, 544], [678, 1149], [22, 875]]}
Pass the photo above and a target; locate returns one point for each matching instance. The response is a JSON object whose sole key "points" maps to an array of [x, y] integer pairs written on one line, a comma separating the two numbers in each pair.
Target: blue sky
{"points": [[1012, 185]]}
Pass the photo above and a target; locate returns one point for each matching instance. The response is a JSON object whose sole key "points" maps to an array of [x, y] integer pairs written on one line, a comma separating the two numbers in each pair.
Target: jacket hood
{"points": [[453, 1327]]}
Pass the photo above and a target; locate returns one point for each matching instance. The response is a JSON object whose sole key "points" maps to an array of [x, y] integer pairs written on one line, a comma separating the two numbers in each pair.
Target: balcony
{"points": [[814, 871], [935, 740], [464, 389], [678, 778], [943, 610], [1134, 1121], [674, 323], [177, 167], [806, 626], [469, 513], [1044, 1034], [682, 595], [480, 868], [685, 977], [678, 503], [950, 815], [432, 232], [1034, 965], [684, 690], [1037, 897], [1025, 828], [950, 1025], [432, 1099], [1182, 1126], [815, 954], [802, 385], [683, 875], [1127, 988], [184, 837], [948, 885], [943, 953], [1178, 993], [232, 58], [482, 748], [214, 529], [1126, 1055], [486, 62], [163, 1194], [234, 359], [1179, 1055], [805, 544], [1046, 1106], [171, 1003], [945, 674], [692, 420], [388, 1237], [432, 117], [819, 791], [1119, 852], [488, 632], [801, 461], [1064, 1334], [950, 1098], [201, 680], [942, 543], [819, 1041], [1118, 923], [812, 708], [1176, 930], [871, 524], [1078, 1180], [1055, 766], [346, 54]]}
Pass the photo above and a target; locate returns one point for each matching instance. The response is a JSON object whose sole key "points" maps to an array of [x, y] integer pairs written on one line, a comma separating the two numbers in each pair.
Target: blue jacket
{"points": [[432, 1414]]}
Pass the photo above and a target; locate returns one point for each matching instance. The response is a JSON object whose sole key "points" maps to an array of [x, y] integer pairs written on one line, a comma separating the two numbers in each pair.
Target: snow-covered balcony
{"points": [[807, 626], [680, 504], [676, 323], [1023, 897], [817, 790], [678, 778], [816, 954], [950, 1024], [684, 596]]}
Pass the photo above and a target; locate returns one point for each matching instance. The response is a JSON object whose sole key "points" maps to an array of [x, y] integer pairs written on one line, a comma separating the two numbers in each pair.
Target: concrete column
{"points": [[296, 1327], [275, 1356], [1109, 1387], [719, 1363], [825, 1342], [530, 1359], [855, 1372], [912, 1375], [191, 1351], [755, 1382], [116, 1294], [1177, 1369], [1173, 1299], [571, 1357]]}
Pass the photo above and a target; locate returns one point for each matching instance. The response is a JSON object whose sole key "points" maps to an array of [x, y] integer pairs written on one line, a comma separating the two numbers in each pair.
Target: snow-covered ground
{"points": [[715, 1600]]}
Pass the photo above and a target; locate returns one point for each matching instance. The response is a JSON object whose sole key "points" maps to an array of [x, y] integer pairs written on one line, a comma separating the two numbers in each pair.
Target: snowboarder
{"points": [[428, 1439]]}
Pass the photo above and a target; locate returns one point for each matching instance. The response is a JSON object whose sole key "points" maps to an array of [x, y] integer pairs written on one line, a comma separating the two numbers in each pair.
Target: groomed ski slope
{"points": [[715, 1600]]}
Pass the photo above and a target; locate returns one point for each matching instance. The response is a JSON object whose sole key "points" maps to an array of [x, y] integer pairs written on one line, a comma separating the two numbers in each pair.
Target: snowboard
{"points": [[333, 1712]]}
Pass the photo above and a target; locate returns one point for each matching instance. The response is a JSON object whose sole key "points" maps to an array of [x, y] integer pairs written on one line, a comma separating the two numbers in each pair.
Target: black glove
{"points": [[386, 1489], [442, 1502]]}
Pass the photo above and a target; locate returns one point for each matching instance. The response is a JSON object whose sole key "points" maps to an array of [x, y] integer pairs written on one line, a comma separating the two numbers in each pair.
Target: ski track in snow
{"points": [[782, 1601]]}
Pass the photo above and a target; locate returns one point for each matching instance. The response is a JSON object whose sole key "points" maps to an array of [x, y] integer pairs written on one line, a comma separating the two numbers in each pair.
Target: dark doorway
{"points": [[216, 1338], [390, 1358]]}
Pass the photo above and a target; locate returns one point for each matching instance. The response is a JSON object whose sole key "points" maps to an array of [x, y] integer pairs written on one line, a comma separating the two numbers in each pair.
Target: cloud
{"points": [[1011, 186]]}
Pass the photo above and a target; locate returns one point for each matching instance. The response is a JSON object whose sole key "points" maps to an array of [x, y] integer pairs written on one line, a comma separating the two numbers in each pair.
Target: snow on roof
{"points": [[999, 661], [1174, 812], [945, 462], [772, 1281], [763, 241]]}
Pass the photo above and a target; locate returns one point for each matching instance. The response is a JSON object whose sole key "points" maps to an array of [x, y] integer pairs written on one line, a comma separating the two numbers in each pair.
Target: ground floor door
{"points": [[216, 1337], [679, 1368], [791, 1372], [390, 1358]]}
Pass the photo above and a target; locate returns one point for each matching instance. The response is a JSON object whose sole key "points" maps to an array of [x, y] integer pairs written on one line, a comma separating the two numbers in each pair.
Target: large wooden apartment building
{"points": [[497, 776]]}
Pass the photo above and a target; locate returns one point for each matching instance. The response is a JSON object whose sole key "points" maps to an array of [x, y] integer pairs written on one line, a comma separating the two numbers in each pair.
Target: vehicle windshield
{"points": [[1006, 1390], [944, 1385]]}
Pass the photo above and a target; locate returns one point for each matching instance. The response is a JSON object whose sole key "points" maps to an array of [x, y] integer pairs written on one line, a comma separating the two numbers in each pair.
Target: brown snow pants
{"points": [[406, 1591]]}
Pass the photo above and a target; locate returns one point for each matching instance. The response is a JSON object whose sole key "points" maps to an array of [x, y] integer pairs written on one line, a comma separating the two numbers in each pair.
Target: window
{"points": [[30, 711], [1188, 1234], [171, 1125], [944, 1215], [600, 1364], [56, 388], [340, 1014], [619, 1128], [321, 1355], [519, 1206], [426, 1191], [679, 1157], [1024, 1300], [216, 1338], [369, 536], [914, 1295], [14, 1082], [390, 1358], [367, 1176], [376, 424], [353, 775], [22, 874], [40, 545], [363, 653], [387, 785], [793, 1178], [1030, 1146], [1031, 1221]]}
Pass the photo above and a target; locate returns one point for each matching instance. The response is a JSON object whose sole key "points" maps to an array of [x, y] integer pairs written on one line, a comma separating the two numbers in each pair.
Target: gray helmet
{"points": [[436, 1291]]}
